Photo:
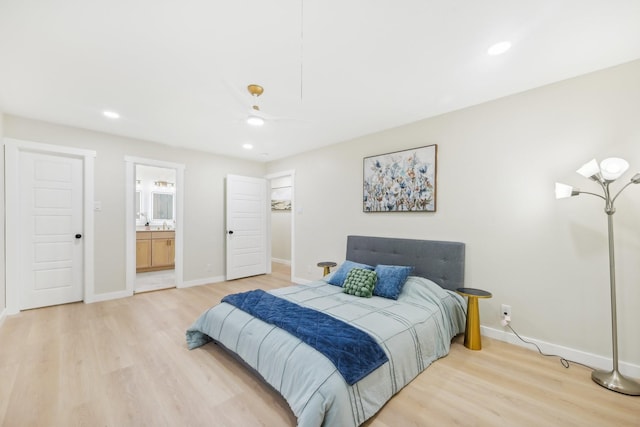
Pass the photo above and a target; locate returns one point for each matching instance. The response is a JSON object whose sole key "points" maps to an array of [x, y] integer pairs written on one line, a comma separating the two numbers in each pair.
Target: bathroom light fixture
{"points": [[247, 146], [608, 171], [111, 114], [499, 48]]}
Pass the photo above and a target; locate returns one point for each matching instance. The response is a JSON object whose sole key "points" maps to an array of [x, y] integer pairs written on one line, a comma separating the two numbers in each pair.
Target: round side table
{"points": [[327, 266], [472, 338]]}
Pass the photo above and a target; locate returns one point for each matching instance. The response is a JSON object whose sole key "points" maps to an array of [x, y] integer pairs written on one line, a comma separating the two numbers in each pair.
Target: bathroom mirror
{"points": [[162, 206]]}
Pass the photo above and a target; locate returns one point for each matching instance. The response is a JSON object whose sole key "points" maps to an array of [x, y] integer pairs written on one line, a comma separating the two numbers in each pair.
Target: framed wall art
{"points": [[281, 199], [404, 181]]}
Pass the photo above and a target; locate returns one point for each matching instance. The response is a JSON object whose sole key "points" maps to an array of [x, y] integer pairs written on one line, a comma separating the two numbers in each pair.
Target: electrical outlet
{"points": [[505, 312]]}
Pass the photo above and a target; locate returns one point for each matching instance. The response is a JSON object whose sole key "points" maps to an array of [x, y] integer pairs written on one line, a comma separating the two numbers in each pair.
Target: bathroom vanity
{"points": [[155, 250]]}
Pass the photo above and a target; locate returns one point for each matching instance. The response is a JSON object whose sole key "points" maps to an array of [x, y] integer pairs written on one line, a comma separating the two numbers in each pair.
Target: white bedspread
{"points": [[414, 331]]}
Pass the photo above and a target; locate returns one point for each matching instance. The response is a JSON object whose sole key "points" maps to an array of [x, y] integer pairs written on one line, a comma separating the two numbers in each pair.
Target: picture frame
{"points": [[401, 181], [281, 199]]}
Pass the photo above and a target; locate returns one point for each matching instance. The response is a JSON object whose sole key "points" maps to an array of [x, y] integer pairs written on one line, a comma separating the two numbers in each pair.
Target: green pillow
{"points": [[360, 282]]}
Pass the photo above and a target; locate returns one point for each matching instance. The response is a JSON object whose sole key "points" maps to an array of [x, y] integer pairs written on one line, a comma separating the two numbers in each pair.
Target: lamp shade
{"points": [[613, 167], [590, 169], [563, 191]]}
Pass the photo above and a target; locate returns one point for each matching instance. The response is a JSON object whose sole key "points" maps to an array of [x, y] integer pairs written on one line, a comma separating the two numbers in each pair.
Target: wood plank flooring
{"points": [[125, 363]]}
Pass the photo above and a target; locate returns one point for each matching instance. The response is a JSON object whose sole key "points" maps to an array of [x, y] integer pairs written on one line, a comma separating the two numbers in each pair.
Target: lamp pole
{"points": [[611, 170], [613, 379]]}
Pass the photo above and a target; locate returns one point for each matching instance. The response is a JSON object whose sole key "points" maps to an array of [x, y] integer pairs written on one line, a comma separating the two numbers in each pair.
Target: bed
{"points": [[413, 331]]}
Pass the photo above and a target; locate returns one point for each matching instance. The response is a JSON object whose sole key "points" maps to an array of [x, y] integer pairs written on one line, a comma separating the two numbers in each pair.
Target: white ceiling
{"points": [[332, 70]]}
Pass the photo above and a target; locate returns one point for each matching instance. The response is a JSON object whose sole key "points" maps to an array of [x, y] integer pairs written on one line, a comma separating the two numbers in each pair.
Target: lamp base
{"points": [[614, 380]]}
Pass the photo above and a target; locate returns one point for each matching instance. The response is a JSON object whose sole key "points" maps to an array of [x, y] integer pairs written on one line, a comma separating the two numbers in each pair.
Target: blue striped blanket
{"points": [[353, 352]]}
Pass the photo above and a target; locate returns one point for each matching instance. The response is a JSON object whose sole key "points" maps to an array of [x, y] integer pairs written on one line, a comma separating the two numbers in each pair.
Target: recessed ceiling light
{"points": [[247, 146], [111, 114], [499, 48]]}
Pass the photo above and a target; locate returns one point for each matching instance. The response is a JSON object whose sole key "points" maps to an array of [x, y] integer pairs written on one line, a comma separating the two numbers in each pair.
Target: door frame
{"points": [[269, 177], [130, 225], [13, 148]]}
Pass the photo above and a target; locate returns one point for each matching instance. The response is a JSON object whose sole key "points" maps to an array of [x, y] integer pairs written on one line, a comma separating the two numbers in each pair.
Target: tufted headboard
{"points": [[441, 262]]}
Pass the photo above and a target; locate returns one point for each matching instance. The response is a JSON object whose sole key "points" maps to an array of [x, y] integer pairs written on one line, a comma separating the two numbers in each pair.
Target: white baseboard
{"points": [[107, 296], [281, 261], [300, 281], [589, 359], [199, 282]]}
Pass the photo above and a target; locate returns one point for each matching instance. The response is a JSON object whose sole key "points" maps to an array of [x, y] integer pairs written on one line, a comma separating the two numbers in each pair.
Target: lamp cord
{"points": [[564, 361]]}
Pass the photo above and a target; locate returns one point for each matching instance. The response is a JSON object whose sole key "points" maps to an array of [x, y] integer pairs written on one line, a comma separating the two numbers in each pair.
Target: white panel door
{"points": [[246, 226], [51, 244]]}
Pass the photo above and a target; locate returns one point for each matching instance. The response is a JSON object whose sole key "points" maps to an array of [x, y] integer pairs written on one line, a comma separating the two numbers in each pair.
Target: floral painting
{"points": [[404, 181]]}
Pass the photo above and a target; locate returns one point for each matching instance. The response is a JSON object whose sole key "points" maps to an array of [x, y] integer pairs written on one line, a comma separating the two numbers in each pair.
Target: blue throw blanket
{"points": [[353, 352]]}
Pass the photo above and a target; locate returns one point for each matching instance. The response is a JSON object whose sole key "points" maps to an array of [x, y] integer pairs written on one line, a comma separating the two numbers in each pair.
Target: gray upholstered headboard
{"points": [[441, 262]]}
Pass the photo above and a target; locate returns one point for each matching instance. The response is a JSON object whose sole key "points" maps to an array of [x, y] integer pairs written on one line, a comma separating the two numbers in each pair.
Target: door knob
{"points": [[78, 236], [230, 231]]}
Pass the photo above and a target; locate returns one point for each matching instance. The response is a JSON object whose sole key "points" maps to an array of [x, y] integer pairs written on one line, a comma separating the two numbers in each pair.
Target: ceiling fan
{"points": [[255, 118]]}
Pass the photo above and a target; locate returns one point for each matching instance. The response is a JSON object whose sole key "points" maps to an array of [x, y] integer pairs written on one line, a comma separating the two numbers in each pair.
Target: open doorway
{"points": [[154, 213], [155, 218], [282, 228]]}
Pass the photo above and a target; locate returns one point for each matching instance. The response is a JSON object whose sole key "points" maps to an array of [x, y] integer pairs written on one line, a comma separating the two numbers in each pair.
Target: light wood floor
{"points": [[125, 363]]}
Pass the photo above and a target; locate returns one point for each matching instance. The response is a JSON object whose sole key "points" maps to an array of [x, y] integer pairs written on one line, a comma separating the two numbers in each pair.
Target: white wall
{"points": [[204, 203], [3, 294], [497, 164], [281, 236]]}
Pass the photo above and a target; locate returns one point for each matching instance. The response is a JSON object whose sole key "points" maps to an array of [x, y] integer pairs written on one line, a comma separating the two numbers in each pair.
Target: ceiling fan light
{"points": [[255, 120]]}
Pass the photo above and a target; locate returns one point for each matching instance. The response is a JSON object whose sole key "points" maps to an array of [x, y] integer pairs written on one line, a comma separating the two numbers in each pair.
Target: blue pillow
{"points": [[338, 277], [391, 279]]}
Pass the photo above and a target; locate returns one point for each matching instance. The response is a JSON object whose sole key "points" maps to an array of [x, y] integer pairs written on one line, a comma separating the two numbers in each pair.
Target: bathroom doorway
{"points": [[154, 232], [155, 210]]}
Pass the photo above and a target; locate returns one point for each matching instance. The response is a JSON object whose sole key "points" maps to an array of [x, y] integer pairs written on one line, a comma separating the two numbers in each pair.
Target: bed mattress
{"points": [[414, 331]]}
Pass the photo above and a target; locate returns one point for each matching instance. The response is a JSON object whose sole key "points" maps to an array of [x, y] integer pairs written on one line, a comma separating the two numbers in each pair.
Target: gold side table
{"points": [[327, 266], [472, 338]]}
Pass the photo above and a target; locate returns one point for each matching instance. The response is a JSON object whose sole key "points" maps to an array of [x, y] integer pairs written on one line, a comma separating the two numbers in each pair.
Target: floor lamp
{"points": [[608, 171]]}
